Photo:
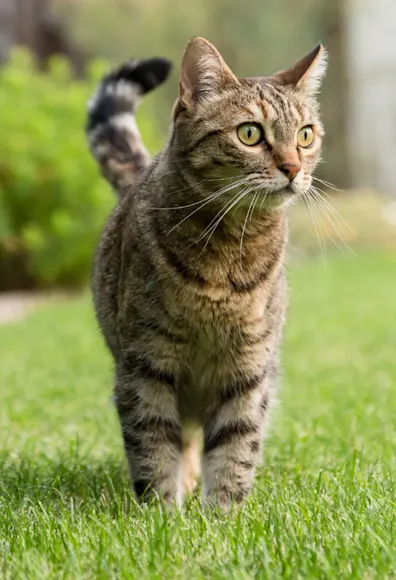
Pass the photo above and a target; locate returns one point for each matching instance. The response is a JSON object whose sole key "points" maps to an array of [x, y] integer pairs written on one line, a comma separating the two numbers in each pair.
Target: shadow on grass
{"points": [[70, 482]]}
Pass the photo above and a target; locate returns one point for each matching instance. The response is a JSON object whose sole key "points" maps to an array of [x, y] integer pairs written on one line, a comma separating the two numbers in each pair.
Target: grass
{"points": [[324, 502]]}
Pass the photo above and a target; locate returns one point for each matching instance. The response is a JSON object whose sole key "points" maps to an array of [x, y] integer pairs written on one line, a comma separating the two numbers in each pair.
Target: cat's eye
{"points": [[250, 134], [305, 137]]}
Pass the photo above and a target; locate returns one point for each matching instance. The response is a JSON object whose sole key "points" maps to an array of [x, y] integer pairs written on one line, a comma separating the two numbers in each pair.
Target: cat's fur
{"points": [[194, 321]]}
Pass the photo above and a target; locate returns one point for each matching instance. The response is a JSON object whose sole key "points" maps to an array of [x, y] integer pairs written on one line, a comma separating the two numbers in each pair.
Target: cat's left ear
{"points": [[203, 73], [307, 74]]}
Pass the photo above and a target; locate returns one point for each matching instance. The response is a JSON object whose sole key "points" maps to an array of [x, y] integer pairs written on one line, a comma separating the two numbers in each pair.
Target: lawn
{"points": [[324, 501]]}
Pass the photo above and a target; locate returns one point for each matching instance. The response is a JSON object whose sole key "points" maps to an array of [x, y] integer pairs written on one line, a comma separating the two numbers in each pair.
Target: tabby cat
{"points": [[189, 278]]}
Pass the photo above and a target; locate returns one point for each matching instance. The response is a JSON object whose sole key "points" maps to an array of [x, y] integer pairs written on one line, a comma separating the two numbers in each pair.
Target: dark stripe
{"points": [[146, 73], [104, 109], [126, 401], [228, 432], [254, 446], [264, 403], [116, 137], [163, 430], [132, 442], [235, 495], [272, 100], [175, 261], [245, 286], [158, 329], [250, 339], [141, 486], [241, 386], [247, 465], [279, 99], [143, 368], [201, 140]]}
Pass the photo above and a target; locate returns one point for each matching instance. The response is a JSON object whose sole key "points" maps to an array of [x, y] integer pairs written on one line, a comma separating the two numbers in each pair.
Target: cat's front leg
{"points": [[147, 408], [232, 442]]}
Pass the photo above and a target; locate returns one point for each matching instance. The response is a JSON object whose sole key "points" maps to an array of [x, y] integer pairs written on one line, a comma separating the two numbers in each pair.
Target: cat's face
{"points": [[264, 131]]}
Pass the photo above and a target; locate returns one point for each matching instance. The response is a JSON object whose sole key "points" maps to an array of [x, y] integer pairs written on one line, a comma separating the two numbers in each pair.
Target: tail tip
{"points": [[148, 73]]}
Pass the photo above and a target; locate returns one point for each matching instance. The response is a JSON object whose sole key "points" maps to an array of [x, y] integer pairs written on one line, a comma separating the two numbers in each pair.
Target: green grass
{"points": [[324, 501]]}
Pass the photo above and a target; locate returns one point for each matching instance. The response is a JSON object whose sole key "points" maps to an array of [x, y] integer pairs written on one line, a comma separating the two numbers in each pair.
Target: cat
{"points": [[189, 278]]}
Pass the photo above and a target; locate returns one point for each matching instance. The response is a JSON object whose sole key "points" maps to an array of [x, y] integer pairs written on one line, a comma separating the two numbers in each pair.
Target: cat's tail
{"points": [[113, 136]]}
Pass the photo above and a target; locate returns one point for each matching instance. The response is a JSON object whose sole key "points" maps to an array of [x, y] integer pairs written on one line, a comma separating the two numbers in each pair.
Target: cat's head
{"points": [[265, 130]]}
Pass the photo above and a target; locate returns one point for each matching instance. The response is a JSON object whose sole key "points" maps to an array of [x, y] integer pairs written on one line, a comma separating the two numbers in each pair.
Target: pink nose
{"points": [[290, 169]]}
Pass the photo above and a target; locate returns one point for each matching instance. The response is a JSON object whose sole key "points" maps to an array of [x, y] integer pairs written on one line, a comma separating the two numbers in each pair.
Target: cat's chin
{"points": [[281, 199]]}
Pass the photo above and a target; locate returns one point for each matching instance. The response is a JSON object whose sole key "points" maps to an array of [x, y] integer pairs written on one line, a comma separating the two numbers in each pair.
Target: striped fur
{"points": [[113, 135], [191, 298]]}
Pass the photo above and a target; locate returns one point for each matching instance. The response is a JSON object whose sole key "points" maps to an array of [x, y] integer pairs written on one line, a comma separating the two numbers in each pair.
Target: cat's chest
{"points": [[218, 347]]}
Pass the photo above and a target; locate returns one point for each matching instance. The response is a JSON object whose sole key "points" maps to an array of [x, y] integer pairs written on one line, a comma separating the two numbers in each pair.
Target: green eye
{"points": [[250, 134], [305, 137]]}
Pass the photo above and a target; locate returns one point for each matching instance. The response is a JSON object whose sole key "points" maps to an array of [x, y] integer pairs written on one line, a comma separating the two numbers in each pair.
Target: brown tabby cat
{"points": [[189, 281]]}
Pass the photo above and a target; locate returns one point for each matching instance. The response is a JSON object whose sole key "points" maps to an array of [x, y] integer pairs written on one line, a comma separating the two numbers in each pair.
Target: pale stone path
{"points": [[16, 305]]}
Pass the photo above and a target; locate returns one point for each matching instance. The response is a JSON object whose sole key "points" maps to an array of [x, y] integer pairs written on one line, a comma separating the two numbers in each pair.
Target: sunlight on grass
{"points": [[324, 501]]}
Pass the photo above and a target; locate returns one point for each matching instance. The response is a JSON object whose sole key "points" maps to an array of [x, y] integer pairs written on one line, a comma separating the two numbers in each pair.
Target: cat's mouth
{"points": [[289, 190]]}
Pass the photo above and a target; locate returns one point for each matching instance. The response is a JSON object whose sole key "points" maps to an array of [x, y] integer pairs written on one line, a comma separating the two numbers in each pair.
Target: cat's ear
{"points": [[306, 74], [203, 72]]}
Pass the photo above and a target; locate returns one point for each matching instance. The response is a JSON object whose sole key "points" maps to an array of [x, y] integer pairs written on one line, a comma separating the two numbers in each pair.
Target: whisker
{"points": [[225, 209], [256, 196], [327, 184], [263, 200], [333, 210], [212, 195], [243, 231], [214, 227], [218, 194], [318, 235], [213, 220], [319, 201], [320, 208]]}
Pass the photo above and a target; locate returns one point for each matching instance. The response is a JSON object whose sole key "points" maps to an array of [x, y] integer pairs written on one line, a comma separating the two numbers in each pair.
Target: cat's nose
{"points": [[290, 169]]}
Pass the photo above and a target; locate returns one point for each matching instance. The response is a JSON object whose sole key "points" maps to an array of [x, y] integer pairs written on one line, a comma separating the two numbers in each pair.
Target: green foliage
{"points": [[53, 200], [324, 501]]}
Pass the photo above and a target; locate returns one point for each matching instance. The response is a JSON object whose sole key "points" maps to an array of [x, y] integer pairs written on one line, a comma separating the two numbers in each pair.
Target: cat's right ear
{"points": [[203, 73]]}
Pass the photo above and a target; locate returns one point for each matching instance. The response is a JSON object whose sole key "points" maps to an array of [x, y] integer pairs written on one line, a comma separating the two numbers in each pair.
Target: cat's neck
{"points": [[236, 246]]}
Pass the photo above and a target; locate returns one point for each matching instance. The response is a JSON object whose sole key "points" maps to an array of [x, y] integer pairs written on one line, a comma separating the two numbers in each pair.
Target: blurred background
{"points": [[53, 201]]}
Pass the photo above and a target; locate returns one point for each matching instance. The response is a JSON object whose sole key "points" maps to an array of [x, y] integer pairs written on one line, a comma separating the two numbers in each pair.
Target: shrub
{"points": [[53, 200]]}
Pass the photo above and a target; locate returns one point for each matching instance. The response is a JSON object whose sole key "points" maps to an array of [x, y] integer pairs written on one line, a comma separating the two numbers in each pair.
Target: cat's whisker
{"points": [[211, 196], [330, 206], [325, 211], [326, 184], [314, 221], [243, 231], [205, 202], [318, 194], [322, 212], [256, 196], [263, 200], [229, 205], [235, 201], [214, 220]]}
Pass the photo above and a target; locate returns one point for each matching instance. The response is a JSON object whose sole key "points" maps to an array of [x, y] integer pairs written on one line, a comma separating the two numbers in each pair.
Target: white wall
{"points": [[371, 63]]}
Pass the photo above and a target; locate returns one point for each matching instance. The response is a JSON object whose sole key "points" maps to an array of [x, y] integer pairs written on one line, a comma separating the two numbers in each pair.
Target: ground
{"points": [[324, 500]]}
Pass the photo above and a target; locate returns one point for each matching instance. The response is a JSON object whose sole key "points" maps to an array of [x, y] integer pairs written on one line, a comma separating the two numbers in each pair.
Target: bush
{"points": [[53, 200]]}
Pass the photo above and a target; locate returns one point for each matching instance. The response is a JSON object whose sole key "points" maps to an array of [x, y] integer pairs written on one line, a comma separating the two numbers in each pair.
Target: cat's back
{"points": [[106, 273]]}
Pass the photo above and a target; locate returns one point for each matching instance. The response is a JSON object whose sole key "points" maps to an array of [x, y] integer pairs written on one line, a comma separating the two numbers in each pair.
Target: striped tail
{"points": [[113, 136]]}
